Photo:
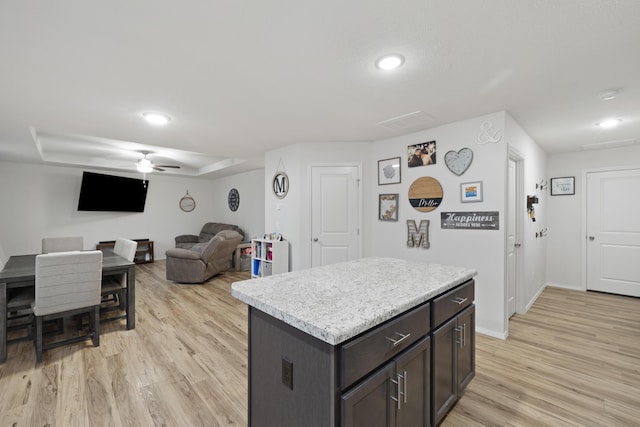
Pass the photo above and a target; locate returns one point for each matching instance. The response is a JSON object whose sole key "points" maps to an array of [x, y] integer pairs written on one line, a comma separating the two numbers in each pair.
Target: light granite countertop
{"points": [[337, 302]]}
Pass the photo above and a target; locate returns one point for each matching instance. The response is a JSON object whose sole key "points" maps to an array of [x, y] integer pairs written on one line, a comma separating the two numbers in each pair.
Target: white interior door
{"points": [[335, 221], [613, 232], [512, 237]]}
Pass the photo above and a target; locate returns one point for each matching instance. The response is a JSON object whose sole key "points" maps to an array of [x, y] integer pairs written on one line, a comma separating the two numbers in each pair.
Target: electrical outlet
{"points": [[287, 373]]}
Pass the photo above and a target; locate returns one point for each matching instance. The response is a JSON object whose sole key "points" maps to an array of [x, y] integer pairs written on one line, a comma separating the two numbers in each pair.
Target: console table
{"points": [[144, 251]]}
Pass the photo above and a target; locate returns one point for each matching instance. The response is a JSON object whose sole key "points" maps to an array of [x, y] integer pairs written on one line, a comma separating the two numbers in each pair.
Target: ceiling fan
{"points": [[145, 165]]}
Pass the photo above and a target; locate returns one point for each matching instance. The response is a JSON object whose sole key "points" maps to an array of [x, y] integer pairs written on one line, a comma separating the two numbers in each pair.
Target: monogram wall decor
{"points": [[418, 237]]}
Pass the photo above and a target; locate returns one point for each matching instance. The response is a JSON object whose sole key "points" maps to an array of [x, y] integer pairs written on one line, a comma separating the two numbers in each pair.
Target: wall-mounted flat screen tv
{"points": [[100, 192]]}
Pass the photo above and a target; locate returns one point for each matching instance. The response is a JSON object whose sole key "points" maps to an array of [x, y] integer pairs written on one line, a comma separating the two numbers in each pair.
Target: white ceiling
{"points": [[243, 77]]}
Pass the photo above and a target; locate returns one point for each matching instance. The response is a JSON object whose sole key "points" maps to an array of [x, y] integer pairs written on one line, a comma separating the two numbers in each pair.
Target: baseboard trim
{"points": [[566, 286], [492, 333]]}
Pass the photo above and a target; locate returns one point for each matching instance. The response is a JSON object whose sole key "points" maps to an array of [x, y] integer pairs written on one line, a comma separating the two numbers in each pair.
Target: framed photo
{"points": [[471, 192], [564, 186], [389, 171], [388, 207], [421, 154]]}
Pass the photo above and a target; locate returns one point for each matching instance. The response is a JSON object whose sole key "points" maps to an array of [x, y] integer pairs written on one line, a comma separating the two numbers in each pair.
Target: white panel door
{"points": [[334, 214], [613, 232], [512, 237]]}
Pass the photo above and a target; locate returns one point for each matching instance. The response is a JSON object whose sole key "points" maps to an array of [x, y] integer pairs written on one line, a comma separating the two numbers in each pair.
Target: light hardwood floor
{"points": [[574, 359]]}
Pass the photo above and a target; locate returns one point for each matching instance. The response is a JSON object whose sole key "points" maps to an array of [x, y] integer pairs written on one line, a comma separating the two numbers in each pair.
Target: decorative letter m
{"points": [[415, 238]]}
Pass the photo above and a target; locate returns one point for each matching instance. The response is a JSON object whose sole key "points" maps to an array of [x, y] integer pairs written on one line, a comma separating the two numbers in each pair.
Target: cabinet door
{"points": [[369, 403], [413, 384], [443, 373], [466, 348]]}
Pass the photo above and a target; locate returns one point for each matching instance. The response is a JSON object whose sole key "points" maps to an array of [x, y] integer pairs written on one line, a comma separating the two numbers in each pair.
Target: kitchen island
{"points": [[355, 343]]}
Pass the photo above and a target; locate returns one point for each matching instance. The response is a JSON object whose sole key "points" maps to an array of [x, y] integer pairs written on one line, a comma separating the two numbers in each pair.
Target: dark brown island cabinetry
{"points": [[404, 372], [453, 348]]}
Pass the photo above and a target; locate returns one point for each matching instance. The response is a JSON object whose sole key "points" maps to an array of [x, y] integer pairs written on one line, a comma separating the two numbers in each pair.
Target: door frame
{"points": [[307, 233], [583, 208], [521, 307]]}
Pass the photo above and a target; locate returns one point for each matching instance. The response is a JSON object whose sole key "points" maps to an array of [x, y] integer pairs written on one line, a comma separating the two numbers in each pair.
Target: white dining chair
{"points": [[3, 258], [62, 244], [67, 283], [114, 288]]}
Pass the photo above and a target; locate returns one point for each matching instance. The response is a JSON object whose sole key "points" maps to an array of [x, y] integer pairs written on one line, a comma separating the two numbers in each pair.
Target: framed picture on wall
{"points": [[564, 186], [388, 207], [389, 171], [471, 192], [421, 154]]}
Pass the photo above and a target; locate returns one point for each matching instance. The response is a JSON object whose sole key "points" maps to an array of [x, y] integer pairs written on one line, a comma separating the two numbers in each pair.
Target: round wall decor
{"points": [[425, 194], [280, 184], [187, 203], [234, 199]]}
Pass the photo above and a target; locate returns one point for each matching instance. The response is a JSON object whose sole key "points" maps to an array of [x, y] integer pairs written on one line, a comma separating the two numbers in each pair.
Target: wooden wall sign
{"points": [[425, 194], [470, 220]]}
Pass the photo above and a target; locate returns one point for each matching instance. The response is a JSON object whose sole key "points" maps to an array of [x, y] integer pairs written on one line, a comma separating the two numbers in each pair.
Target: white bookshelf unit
{"points": [[269, 257]]}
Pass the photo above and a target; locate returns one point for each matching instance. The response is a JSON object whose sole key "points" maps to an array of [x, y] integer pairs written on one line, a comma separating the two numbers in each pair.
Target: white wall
{"points": [[566, 236], [479, 249], [532, 253], [482, 250], [41, 201], [291, 216], [250, 213]]}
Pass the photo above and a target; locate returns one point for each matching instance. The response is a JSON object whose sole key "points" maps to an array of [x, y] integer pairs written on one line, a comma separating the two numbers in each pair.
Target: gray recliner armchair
{"points": [[202, 260], [210, 229]]}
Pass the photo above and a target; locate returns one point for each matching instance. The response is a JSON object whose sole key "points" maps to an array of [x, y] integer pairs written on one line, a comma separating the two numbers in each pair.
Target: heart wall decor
{"points": [[458, 162]]}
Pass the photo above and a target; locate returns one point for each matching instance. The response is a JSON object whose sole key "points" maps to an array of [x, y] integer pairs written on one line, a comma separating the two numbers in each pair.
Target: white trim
{"points": [[564, 286], [492, 333], [518, 158], [535, 298]]}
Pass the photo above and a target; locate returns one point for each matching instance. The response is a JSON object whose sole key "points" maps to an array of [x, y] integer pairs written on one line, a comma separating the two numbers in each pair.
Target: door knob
{"points": [[315, 239], [517, 244], [592, 238]]}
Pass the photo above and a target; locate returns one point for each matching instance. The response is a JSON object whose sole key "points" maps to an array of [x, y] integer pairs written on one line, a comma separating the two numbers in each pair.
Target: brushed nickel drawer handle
{"points": [[459, 300], [396, 342], [397, 398]]}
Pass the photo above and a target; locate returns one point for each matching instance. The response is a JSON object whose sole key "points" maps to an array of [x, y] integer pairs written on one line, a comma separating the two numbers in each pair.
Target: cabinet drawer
{"points": [[451, 303], [365, 353]]}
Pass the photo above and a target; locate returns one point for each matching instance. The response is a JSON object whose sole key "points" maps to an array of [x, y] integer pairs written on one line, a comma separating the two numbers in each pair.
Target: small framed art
{"points": [[471, 192], [388, 207], [389, 171], [564, 186]]}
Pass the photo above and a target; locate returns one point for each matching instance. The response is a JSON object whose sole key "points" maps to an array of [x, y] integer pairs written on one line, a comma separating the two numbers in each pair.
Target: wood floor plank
{"points": [[572, 360]]}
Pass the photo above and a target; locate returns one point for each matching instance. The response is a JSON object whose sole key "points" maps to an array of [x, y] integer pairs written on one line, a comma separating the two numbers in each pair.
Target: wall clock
{"points": [[187, 203], [234, 199], [458, 162]]}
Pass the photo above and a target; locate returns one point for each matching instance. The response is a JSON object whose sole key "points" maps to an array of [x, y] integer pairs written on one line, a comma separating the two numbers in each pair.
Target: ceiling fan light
{"points": [[144, 166], [156, 118]]}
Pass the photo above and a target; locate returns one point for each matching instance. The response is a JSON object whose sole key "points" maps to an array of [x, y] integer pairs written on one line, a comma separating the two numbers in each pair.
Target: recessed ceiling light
{"points": [[390, 62], [156, 118], [609, 123]]}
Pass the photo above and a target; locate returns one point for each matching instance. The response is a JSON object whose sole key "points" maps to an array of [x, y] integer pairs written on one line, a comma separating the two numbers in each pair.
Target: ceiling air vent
{"points": [[414, 120]]}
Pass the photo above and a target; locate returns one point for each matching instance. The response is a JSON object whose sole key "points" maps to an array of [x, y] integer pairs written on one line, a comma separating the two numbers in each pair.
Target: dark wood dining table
{"points": [[19, 272]]}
